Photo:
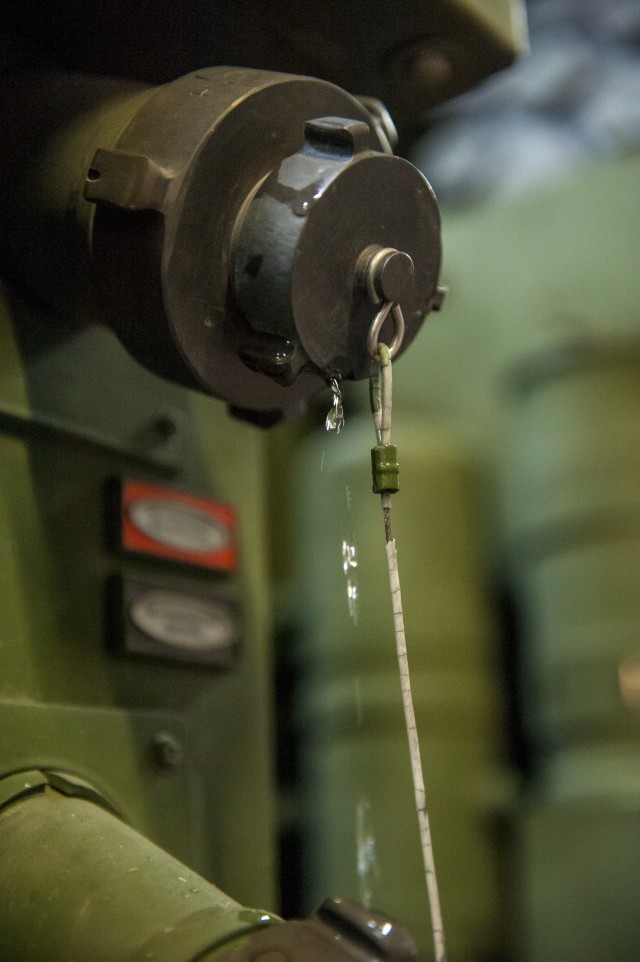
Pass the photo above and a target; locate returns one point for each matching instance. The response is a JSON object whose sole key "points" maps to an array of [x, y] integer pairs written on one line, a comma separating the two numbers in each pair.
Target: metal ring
{"points": [[375, 261], [376, 327]]}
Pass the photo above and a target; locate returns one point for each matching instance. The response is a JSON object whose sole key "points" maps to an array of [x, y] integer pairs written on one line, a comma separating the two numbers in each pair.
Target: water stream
{"points": [[335, 417], [367, 865], [367, 860]]}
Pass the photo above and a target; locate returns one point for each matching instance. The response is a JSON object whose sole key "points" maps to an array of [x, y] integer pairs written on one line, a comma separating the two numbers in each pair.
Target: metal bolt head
{"points": [[385, 273], [393, 276], [167, 750], [164, 427]]}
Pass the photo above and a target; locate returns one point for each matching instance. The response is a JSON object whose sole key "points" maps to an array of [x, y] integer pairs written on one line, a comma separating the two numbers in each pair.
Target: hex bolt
{"points": [[167, 750]]}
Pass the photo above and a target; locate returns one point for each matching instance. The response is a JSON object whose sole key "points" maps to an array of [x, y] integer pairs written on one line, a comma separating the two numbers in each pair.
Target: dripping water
{"points": [[367, 859], [350, 569], [335, 418]]}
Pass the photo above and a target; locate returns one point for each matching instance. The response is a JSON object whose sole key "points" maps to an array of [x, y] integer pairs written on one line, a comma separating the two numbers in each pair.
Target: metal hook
{"points": [[376, 327]]}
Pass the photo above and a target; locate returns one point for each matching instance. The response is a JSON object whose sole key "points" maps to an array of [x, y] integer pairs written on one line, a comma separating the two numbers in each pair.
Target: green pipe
{"points": [[79, 885]]}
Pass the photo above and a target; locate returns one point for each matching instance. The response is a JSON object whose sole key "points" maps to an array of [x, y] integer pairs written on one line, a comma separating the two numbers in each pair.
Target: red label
{"points": [[178, 527]]}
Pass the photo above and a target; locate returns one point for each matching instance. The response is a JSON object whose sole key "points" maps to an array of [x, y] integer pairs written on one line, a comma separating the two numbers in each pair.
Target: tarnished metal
{"points": [[238, 279], [373, 336], [296, 275], [386, 130], [386, 273], [340, 931]]}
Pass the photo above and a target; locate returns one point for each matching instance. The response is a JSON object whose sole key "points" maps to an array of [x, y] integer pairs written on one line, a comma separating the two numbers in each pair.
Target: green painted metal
{"points": [[576, 883], [100, 891], [357, 807], [75, 411], [525, 276], [575, 475], [549, 280], [65, 699], [42, 207]]}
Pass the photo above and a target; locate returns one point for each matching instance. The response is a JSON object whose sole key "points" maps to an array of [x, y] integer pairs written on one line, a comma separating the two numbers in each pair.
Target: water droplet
{"points": [[359, 702], [349, 556], [255, 916], [349, 566], [352, 600], [335, 417], [381, 930], [367, 859]]}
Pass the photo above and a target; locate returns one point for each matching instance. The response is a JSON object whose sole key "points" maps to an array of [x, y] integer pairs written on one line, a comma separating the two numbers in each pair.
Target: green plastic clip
{"points": [[385, 468]]}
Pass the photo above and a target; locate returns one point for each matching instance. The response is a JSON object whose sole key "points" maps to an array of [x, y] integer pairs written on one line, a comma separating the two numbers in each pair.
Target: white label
{"points": [[178, 525], [183, 622]]}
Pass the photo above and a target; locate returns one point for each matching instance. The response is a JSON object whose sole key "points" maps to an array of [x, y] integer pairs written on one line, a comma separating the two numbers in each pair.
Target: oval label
{"points": [[183, 622], [178, 525]]}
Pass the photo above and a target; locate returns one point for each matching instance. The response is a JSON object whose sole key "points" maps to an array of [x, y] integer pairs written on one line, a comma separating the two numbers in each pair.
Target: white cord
{"points": [[381, 405]]}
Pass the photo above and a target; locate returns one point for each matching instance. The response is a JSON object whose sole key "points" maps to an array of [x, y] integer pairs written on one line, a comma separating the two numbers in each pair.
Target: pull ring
{"points": [[376, 327]]}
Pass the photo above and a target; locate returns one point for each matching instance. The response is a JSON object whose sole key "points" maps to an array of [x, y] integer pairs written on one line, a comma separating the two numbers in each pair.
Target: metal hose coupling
{"points": [[340, 931], [218, 224]]}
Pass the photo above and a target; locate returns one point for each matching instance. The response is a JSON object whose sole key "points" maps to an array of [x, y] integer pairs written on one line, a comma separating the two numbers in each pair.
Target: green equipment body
{"points": [[178, 262]]}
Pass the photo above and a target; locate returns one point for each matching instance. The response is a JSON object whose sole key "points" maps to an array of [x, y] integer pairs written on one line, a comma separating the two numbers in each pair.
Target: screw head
{"points": [[167, 750], [164, 427]]}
